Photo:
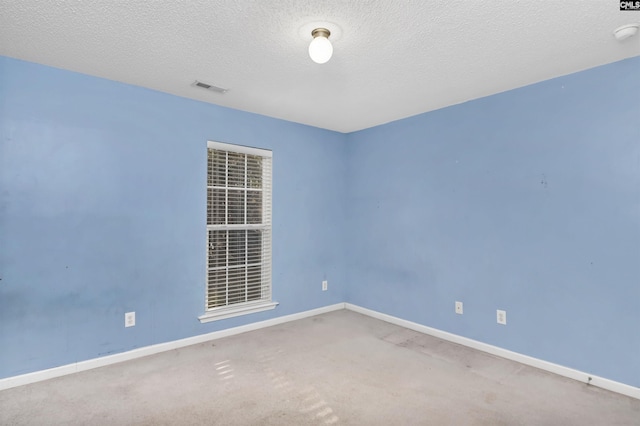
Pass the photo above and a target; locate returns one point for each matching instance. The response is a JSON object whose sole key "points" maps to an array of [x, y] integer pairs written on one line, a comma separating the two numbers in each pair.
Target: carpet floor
{"points": [[339, 368]]}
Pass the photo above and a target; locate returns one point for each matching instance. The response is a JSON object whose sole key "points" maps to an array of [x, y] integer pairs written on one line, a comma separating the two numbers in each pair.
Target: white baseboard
{"points": [[580, 376], [37, 376]]}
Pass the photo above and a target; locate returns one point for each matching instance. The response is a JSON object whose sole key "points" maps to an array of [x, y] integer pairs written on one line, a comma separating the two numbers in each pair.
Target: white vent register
{"points": [[209, 87]]}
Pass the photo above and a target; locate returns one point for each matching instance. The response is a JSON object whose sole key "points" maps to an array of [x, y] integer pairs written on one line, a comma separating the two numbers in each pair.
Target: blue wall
{"points": [[527, 201], [102, 211]]}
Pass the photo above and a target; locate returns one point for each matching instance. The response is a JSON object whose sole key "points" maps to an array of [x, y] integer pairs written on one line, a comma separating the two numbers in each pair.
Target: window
{"points": [[238, 231]]}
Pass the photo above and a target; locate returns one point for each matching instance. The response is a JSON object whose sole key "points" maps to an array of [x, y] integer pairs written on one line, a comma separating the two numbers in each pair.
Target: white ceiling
{"points": [[392, 59]]}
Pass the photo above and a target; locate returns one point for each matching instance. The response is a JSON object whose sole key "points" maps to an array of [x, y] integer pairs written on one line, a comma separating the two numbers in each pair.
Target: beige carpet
{"points": [[340, 368]]}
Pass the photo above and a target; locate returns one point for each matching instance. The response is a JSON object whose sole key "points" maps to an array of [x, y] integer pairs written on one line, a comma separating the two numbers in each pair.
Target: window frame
{"points": [[264, 304]]}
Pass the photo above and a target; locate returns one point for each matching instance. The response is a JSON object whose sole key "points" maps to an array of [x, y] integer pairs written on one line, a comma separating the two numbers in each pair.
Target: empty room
{"points": [[331, 212]]}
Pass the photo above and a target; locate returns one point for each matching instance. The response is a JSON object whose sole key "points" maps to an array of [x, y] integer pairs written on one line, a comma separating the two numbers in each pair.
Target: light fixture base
{"points": [[320, 32]]}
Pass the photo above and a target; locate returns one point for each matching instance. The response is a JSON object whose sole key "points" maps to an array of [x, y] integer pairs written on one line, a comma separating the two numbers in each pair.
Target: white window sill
{"points": [[235, 311]]}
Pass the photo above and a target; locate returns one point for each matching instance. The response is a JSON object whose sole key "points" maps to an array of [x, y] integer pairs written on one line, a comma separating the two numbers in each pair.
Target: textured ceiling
{"points": [[392, 59]]}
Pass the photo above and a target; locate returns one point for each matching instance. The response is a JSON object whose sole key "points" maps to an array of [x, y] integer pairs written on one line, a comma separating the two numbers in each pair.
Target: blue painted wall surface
{"points": [[102, 211], [527, 201]]}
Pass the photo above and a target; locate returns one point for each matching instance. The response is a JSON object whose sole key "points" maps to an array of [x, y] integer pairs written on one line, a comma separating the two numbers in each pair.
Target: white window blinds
{"points": [[238, 228]]}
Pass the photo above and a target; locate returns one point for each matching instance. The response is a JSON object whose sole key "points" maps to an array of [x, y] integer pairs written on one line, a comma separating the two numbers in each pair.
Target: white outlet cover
{"points": [[129, 319], [501, 317], [459, 308], [325, 285]]}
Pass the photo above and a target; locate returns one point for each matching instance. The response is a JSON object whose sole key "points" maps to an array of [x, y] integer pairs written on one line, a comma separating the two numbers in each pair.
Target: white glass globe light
{"points": [[320, 48]]}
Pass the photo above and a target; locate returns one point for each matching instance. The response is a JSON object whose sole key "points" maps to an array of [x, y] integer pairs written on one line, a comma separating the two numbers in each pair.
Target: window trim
{"points": [[241, 149], [244, 308], [236, 311]]}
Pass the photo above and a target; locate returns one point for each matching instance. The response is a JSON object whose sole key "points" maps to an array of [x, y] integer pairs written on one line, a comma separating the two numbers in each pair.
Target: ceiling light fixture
{"points": [[626, 31], [320, 48]]}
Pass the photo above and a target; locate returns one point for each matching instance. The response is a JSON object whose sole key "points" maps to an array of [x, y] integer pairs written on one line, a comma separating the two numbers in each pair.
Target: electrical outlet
{"points": [[459, 308], [501, 317], [129, 319], [325, 285]]}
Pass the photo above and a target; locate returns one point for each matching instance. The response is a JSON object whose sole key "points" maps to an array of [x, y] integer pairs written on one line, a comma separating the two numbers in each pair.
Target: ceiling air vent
{"points": [[209, 87]]}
